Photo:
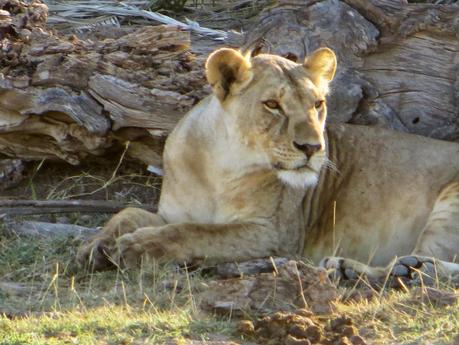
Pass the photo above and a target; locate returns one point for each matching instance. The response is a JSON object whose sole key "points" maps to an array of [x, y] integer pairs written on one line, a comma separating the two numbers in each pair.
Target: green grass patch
{"points": [[110, 324]]}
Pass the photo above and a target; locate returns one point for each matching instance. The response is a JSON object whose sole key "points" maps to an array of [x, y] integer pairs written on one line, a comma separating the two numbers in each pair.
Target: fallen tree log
{"points": [[398, 62], [65, 98], [68, 97]]}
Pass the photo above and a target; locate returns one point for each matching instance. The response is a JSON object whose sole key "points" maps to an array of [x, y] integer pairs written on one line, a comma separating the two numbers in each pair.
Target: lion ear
{"points": [[228, 72], [321, 65]]}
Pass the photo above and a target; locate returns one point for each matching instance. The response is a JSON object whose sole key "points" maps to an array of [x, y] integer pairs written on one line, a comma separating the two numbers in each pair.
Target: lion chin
{"points": [[298, 179]]}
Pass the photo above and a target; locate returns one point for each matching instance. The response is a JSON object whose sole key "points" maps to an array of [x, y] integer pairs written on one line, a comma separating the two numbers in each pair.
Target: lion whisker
{"points": [[328, 164]]}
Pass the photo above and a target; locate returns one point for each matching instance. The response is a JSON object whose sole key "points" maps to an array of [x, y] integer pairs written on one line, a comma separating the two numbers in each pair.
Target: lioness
{"points": [[251, 172]]}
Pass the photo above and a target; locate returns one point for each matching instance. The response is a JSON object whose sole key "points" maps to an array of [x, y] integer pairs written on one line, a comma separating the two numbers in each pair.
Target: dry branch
{"points": [[50, 230], [24, 207]]}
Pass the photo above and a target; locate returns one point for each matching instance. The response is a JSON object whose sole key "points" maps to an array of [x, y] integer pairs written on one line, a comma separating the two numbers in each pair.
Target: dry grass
{"points": [[53, 303], [401, 318]]}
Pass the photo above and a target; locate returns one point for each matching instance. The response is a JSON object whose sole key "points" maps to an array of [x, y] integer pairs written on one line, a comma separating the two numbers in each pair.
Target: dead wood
{"points": [[398, 61], [252, 267], [50, 230], [292, 285], [24, 207], [62, 97], [14, 289]]}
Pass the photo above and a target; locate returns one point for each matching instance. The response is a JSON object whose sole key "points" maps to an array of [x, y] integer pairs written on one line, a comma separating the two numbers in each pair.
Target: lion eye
{"points": [[272, 104], [319, 104]]}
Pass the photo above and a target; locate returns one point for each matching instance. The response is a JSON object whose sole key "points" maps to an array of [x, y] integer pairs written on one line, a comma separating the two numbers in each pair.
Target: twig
{"points": [[24, 207]]}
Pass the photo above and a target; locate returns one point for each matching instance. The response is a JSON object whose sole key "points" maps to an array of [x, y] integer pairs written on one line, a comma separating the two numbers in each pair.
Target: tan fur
{"points": [[251, 172]]}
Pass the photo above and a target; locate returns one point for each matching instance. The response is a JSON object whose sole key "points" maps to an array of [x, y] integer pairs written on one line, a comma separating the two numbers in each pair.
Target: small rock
{"points": [[314, 334], [298, 332], [304, 312], [339, 323], [344, 341], [430, 273], [246, 327], [349, 331], [357, 340], [290, 340], [300, 320], [278, 316]]}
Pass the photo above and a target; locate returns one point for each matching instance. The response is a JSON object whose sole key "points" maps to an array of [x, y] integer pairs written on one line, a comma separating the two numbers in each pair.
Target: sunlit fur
{"points": [[274, 131], [240, 181], [300, 180]]}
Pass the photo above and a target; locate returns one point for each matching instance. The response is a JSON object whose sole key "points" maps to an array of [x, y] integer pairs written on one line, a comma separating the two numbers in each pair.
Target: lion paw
{"points": [[343, 269], [410, 269], [95, 255], [417, 269], [128, 251], [131, 249]]}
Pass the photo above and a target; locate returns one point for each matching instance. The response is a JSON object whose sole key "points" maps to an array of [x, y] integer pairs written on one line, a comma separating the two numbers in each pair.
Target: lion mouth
{"points": [[305, 168], [300, 168]]}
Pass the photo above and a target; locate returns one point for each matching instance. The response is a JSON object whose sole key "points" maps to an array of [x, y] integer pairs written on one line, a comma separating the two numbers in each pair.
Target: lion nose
{"points": [[308, 149]]}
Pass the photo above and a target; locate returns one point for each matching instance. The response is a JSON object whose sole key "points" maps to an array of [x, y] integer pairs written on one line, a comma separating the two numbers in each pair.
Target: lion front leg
{"points": [[189, 242], [96, 251]]}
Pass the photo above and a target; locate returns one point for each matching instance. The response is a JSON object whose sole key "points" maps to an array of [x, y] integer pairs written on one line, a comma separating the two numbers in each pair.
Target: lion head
{"points": [[278, 107]]}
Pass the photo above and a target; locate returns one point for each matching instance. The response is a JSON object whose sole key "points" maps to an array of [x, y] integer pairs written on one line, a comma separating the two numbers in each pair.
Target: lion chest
{"points": [[224, 198]]}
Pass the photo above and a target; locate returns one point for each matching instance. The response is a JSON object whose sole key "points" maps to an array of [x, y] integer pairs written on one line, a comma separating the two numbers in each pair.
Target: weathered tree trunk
{"points": [[398, 61], [68, 98]]}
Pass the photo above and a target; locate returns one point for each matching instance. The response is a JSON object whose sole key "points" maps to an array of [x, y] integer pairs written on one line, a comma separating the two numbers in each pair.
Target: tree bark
{"points": [[66, 98], [398, 61]]}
